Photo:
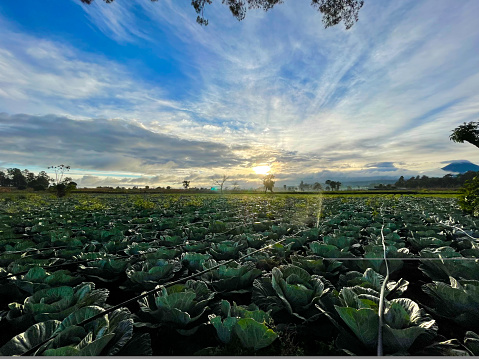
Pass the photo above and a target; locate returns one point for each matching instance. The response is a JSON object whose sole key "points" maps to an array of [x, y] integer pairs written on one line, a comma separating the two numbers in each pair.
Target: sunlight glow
{"points": [[261, 170]]}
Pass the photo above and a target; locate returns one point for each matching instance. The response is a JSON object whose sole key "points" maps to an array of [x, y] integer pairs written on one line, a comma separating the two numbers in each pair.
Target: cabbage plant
{"points": [[55, 303], [226, 249], [403, 322], [373, 280], [316, 265], [106, 270], [148, 274], [374, 258], [107, 335], [291, 288], [248, 324], [232, 277], [457, 301], [419, 243], [328, 250], [179, 305], [441, 270], [471, 341], [194, 261]]}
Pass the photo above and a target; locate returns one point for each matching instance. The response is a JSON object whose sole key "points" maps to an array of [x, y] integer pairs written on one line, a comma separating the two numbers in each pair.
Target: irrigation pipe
{"points": [[476, 240], [145, 294], [381, 299]]}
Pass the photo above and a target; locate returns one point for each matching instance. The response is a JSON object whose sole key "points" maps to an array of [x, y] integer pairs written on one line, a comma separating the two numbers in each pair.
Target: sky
{"points": [[137, 93]]}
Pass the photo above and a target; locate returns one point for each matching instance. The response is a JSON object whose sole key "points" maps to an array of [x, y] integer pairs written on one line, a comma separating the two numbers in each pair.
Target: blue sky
{"points": [[137, 93]]}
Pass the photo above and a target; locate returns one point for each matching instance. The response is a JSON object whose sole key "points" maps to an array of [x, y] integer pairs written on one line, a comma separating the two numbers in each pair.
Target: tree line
{"points": [[22, 180], [447, 181], [14, 177]]}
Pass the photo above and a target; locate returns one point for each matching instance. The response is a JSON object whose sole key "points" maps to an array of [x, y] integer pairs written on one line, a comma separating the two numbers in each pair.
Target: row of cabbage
{"points": [[324, 277]]}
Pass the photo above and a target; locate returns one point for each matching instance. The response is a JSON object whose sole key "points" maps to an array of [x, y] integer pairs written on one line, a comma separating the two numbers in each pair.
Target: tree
{"points": [[333, 185], [334, 11], [221, 182], [468, 132], [4, 180], [41, 182], [61, 185], [17, 179], [401, 182], [268, 183], [328, 184], [301, 186], [236, 186], [186, 184], [317, 186]]}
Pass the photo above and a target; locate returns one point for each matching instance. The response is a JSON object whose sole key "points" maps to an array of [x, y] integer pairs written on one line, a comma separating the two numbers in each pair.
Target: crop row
{"points": [[272, 275]]}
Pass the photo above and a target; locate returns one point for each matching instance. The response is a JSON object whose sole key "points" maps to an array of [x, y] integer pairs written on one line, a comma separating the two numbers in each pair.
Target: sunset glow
{"points": [[261, 170]]}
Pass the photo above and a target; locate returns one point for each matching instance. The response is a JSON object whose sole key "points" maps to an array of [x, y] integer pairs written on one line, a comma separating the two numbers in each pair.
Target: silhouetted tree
{"points": [[328, 184], [334, 185], [61, 185], [40, 182], [221, 182], [186, 184], [4, 180], [268, 183], [468, 132], [317, 186], [17, 179], [334, 11], [301, 186], [236, 186], [401, 183]]}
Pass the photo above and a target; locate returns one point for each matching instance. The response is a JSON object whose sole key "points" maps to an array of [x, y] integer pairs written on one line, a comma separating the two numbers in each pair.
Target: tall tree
{"points": [[4, 179], [317, 186], [17, 178], [268, 183], [468, 132], [301, 186], [333, 11], [41, 182], [186, 184]]}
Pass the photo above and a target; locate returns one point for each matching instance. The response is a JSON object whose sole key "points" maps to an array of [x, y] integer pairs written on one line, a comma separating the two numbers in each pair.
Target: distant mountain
{"points": [[460, 167]]}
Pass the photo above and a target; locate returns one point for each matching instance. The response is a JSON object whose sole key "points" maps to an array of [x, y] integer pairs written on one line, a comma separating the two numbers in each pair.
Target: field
{"points": [[179, 274]]}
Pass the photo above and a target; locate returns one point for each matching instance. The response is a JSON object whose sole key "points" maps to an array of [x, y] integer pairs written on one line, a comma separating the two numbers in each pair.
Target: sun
{"points": [[261, 170]]}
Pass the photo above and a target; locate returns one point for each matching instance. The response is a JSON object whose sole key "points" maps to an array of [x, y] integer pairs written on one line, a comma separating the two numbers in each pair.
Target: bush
{"points": [[469, 199]]}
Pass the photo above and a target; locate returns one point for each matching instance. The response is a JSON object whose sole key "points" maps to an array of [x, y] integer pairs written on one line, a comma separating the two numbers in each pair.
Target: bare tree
{"points": [[221, 182], [236, 186]]}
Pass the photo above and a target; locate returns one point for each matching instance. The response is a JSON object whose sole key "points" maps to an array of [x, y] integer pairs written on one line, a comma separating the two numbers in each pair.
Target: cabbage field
{"points": [[237, 275]]}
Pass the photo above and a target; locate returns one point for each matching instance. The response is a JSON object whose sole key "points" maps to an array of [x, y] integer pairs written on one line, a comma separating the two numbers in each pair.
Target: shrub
{"points": [[469, 199]]}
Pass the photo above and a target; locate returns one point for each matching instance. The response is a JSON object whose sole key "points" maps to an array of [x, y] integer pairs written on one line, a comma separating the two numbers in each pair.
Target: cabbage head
{"points": [[107, 335], [291, 288], [248, 324], [457, 301], [55, 303], [232, 277], [148, 274], [179, 305], [404, 322]]}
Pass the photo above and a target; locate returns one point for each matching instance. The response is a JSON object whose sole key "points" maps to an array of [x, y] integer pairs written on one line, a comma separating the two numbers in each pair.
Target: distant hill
{"points": [[460, 167]]}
